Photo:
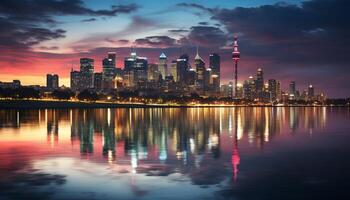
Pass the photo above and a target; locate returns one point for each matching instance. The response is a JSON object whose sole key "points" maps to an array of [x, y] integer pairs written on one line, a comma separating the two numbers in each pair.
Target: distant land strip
{"points": [[37, 104]]}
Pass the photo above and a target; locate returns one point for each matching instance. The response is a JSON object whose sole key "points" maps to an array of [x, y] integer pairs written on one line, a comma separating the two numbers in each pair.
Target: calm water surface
{"points": [[175, 153]]}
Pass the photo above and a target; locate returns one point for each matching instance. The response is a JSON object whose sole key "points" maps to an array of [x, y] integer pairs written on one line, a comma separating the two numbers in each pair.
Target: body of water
{"points": [[175, 153]]}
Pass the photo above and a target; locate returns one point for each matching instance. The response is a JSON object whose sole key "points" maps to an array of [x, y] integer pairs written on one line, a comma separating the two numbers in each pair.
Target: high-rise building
{"points": [[273, 89], [135, 68], [278, 91], [266, 96], [304, 95], [129, 62], [118, 79], [311, 92], [52, 81], [292, 90], [182, 68], [235, 56], [162, 65], [208, 81], [249, 89], [153, 73], [98, 81], [191, 77], [86, 73], [140, 72], [259, 84], [113, 58], [86, 65], [128, 79], [200, 70], [226, 90], [75, 80], [214, 64], [173, 70], [239, 91], [108, 73]]}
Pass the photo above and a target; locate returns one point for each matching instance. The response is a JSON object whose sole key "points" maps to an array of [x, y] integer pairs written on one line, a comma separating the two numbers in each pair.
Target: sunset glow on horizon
{"points": [[299, 42]]}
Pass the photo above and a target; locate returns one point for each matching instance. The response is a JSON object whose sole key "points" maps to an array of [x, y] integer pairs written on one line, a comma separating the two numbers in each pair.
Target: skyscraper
{"points": [[162, 65], [86, 73], [226, 90], [239, 91], [173, 70], [153, 73], [75, 80], [140, 72], [135, 68], [52, 81], [259, 84], [249, 89], [214, 64], [98, 81], [235, 56], [292, 90], [278, 91], [113, 58], [182, 68], [208, 81], [311, 92], [200, 70], [108, 73], [273, 89]]}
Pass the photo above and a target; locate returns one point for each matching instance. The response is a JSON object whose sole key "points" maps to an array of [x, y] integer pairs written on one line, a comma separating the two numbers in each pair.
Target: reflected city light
{"points": [[135, 139]]}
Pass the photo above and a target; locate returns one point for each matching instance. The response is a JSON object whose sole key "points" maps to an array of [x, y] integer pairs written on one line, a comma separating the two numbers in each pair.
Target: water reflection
{"points": [[206, 145]]}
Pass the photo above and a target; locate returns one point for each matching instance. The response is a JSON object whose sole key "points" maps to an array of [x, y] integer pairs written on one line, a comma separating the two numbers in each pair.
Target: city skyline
{"points": [[175, 77], [290, 49]]}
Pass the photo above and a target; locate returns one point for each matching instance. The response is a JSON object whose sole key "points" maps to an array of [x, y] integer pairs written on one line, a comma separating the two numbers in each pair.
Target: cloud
{"points": [[156, 41], [203, 23], [48, 48], [311, 31], [89, 20], [42, 11], [305, 42], [123, 41], [206, 36], [137, 23], [196, 6], [178, 31], [30, 22], [17, 35]]}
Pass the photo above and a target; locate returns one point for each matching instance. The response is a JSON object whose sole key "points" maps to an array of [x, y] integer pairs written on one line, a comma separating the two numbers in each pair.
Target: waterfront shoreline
{"points": [[37, 104]]}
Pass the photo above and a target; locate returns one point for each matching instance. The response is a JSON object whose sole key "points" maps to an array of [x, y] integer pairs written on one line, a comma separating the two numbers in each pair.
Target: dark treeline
{"points": [[19, 93]]}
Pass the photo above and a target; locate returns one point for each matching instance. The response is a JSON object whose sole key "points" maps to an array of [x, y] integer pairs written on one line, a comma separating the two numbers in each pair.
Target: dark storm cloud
{"points": [[306, 42], [43, 10], [29, 22], [314, 31], [156, 41], [207, 36], [17, 35]]}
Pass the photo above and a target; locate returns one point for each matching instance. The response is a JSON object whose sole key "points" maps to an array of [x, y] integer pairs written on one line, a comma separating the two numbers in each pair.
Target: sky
{"points": [[292, 40]]}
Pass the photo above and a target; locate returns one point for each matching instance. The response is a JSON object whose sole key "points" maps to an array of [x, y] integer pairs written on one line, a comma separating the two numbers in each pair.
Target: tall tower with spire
{"points": [[200, 69], [235, 56], [162, 65]]}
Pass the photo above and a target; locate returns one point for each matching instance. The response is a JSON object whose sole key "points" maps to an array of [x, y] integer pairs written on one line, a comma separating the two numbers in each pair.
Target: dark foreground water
{"points": [[175, 153]]}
